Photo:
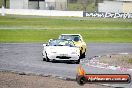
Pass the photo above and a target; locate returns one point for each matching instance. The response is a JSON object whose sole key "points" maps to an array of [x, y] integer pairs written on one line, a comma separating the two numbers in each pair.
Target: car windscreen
{"points": [[61, 43], [70, 37]]}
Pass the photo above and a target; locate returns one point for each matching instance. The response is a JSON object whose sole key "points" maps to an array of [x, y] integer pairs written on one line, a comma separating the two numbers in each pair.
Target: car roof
{"points": [[71, 34], [63, 39]]}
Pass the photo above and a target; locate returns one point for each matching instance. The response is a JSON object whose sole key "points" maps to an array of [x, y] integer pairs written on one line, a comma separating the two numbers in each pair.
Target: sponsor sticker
{"points": [[104, 78], [82, 77]]}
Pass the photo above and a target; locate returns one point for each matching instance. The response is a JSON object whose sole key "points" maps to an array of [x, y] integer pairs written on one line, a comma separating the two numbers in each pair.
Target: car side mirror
{"points": [[50, 40]]}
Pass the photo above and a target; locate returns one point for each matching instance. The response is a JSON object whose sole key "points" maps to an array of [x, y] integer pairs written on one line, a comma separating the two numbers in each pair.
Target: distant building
{"points": [[120, 6], [39, 4]]}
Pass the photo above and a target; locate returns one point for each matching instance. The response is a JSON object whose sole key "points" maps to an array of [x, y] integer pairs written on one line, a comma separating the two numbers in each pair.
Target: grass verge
{"points": [[30, 22], [16, 28], [44, 35]]}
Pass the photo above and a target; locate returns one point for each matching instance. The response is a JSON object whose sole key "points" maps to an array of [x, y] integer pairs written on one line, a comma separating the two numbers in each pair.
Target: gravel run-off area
{"points": [[123, 60], [13, 80]]}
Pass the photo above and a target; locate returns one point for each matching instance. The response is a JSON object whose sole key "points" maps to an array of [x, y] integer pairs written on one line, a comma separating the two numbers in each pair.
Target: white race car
{"points": [[61, 49]]}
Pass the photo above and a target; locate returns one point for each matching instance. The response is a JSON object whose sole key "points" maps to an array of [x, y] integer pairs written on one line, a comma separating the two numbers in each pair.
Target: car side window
{"points": [[77, 39]]}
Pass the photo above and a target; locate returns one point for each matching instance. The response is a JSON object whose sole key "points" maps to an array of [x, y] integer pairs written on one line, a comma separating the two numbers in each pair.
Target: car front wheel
{"points": [[78, 61], [43, 57], [47, 59]]}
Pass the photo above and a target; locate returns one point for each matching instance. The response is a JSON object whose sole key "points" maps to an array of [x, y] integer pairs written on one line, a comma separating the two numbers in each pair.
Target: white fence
{"points": [[42, 12]]}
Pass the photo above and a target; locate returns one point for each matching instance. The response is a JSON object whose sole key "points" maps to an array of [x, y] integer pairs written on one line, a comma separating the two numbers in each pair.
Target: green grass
{"points": [[40, 29], [44, 35], [63, 23]]}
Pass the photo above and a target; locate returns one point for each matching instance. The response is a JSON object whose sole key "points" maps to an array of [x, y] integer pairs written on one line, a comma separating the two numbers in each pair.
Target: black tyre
{"points": [[44, 59], [83, 55], [80, 55], [78, 61], [47, 59]]}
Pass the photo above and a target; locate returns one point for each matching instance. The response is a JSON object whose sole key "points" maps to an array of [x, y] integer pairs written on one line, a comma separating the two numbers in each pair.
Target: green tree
{"points": [[85, 3], [72, 1], [5, 3], [96, 4]]}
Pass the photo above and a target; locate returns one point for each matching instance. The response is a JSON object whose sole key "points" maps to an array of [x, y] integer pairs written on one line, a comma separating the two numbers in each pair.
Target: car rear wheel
{"points": [[80, 55], [83, 55]]}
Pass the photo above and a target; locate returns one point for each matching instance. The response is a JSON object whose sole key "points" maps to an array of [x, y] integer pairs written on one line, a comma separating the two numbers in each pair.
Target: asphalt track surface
{"points": [[27, 57]]}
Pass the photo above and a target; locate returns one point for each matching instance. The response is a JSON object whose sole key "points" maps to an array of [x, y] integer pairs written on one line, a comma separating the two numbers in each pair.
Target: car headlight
{"points": [[73, 52], [51, 51], [77, 51]]}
